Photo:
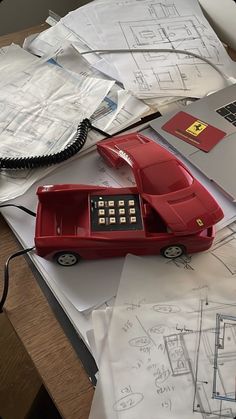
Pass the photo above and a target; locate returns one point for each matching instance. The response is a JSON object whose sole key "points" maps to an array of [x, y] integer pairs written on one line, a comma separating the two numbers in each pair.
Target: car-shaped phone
{"points": [[168, 212]]}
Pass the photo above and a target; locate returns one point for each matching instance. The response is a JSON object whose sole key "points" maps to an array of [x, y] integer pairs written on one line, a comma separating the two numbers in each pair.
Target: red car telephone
{"points": [[168, 212]]}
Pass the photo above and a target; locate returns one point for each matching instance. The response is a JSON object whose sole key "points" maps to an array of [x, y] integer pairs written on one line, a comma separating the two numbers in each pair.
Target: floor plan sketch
{"points": [[152, 32], [157, 25], [186, 352], [224, 358], [162, 10], [183, 33], [163, 69], [166, 78], [215, 361], [176, 352]]}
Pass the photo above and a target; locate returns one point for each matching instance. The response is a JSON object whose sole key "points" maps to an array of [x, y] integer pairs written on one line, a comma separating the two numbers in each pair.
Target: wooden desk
{"points": [[38, 329], [35, 323]]}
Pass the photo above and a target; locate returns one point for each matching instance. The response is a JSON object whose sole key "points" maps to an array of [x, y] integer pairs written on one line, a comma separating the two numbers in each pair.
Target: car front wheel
{"points": [[172, 252], [67, 258]]}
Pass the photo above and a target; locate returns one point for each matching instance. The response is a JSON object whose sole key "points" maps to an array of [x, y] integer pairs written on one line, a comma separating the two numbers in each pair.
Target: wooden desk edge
{"points": [[34, 322], [19, 37]]}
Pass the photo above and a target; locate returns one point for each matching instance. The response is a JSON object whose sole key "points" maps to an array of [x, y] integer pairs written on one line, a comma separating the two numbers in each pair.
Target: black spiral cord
{"points": [[34, 162], [39, 161]]}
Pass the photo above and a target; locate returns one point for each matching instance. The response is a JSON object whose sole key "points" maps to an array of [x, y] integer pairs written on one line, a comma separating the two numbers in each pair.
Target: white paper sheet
{"points": [[64, 46], [209, 276], [41, 106], [172, 279], [170, 358], [151, 24], [45, 103], [56, 40]]}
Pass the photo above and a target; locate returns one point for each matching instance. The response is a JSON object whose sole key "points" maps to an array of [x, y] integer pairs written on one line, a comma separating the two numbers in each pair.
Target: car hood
{"points": [[187, 211]]}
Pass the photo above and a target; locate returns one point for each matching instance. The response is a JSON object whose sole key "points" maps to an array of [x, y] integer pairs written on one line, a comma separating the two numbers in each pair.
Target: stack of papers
{"points": [[146, 26], [151, 349], [44, 100], [169, 338], [41, 107], [115, 90]]}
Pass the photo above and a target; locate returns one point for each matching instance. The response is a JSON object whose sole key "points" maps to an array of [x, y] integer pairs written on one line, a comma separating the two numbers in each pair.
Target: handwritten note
{"points": [[170, 360]]}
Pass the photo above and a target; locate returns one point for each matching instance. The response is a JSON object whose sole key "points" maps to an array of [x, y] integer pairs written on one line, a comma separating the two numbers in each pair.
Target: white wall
{"points": [[21, 14]]}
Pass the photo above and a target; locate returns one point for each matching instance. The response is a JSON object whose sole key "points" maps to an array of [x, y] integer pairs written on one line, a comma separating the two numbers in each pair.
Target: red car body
{"points": [[174, 213]]}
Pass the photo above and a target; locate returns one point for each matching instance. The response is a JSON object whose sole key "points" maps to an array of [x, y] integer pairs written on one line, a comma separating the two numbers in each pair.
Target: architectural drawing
{"points": [[178, 349], [176, 352], [214, 374], [162, 10], [168, 28], [161, 34], [166, 78], [154, 24], [225, 252], [211, 364], [224, 359]]}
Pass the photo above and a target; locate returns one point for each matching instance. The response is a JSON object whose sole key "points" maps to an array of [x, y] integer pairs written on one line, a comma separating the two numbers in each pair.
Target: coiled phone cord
{"points": [[33, 162]]}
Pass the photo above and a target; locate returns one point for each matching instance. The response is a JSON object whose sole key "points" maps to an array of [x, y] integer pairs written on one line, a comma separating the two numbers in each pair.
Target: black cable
{"points": [[6, 275], [49, 159], [101, 131], [34, 162], [20, 207]]}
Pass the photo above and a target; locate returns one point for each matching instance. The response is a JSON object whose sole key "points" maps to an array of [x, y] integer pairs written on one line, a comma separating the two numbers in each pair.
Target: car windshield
{"points": [[163, 178]]}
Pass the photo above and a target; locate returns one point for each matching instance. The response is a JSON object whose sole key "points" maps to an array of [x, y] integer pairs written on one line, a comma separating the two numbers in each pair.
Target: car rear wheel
{"points": [[67, 258], [173, 251]]}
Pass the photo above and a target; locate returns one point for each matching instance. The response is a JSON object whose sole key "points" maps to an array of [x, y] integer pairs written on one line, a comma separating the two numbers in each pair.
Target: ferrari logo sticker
{"points": [[196, 128], [200, 222]]}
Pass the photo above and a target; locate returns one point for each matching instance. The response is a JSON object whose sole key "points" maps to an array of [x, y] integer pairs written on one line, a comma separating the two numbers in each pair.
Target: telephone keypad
{"points": [[115, 212]]}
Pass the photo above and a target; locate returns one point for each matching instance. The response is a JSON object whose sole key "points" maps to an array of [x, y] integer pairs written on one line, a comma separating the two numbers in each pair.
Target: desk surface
{"points": [[41, 334], [35, 323]]}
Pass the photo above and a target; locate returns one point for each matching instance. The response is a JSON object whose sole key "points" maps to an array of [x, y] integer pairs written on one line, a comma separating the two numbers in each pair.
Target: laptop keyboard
{"points": [[228, 112]]}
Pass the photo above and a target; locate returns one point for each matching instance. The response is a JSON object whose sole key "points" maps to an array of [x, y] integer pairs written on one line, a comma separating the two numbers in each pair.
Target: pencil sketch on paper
{"points": [[215, 376], [168, 29], [183, 33], [162, 10], [224, 358], [223, 251], [179, 350]]}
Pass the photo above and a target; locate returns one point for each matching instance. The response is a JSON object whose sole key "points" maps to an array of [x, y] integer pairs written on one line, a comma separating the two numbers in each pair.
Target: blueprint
{"points": [[41, 106], [155, 24]]}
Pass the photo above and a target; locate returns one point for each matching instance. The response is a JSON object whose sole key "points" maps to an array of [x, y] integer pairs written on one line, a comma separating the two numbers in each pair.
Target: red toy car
{"points": [[168, 212]]}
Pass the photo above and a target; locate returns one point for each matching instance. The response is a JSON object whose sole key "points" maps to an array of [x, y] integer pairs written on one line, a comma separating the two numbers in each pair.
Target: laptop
{"points": [[219, 164]]}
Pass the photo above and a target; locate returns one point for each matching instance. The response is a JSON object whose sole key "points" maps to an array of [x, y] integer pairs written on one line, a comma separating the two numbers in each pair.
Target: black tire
{"points": [[173, 251], [67, 258]]}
